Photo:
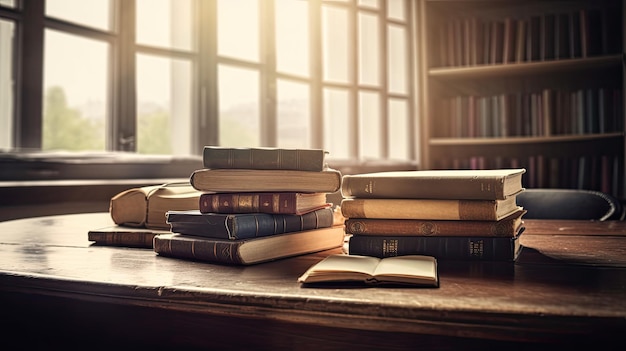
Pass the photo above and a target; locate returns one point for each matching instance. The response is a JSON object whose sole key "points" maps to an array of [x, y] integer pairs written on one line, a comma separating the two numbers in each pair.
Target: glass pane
{"points": [[399, 129], [165, 23], [369, 49], [292, 37], [163, 106], [238, 29], [369, 3], [239, 103], [8, 3], [7, 33], [395, 10], [335, 44], [369, 125], [294, 118], [336, 123], [92, 13], [75, 92], [397, 60]]}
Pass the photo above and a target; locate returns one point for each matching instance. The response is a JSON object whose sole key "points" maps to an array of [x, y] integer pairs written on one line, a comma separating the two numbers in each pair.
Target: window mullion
{"points": [[208, 116], [267, 22], [29, 110], [317, 102]]}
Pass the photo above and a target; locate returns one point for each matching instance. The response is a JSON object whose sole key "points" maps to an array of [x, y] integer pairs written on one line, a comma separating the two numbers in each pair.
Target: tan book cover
{"points": [[433, 209], [458, 184], [419, 270], [146, 206]]}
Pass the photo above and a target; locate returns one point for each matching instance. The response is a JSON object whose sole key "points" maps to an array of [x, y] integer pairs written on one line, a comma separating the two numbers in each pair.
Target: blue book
{"points": [[235, 226]]}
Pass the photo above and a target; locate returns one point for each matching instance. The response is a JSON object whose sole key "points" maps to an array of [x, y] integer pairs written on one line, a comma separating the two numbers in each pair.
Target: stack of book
{"points": [[257, 205], [448, 214]]}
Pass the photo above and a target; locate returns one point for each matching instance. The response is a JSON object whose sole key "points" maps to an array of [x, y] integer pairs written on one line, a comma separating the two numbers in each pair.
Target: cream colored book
{"points": [[416, 270]]}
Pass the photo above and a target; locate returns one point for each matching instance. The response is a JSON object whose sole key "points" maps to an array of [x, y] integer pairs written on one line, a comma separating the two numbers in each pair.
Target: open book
{"points": [[340, 268]]}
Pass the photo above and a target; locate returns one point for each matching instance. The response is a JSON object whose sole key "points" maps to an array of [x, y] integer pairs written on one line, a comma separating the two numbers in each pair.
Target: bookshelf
{"points": [[533, 84]]}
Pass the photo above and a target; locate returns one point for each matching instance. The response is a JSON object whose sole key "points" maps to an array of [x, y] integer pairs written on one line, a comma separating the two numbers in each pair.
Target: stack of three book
{"points": [[448, 214], [257, 205]]}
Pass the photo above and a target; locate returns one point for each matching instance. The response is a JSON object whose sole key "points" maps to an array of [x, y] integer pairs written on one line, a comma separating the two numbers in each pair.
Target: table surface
{"points": [[569, 283]]}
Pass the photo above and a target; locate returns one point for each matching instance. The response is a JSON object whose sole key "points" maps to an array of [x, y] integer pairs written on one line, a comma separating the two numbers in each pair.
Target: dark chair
{"points": [[546, 203]]}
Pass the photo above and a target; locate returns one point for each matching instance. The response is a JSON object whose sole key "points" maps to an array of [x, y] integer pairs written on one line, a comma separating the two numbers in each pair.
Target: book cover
{"points": [[146, 206], [248, 251], [264, 158], [118, 235], [263, 202], [416, 270], [441, 247], [257, 180], [245, 225], [459, 184], [459, 210], [506, 227]]}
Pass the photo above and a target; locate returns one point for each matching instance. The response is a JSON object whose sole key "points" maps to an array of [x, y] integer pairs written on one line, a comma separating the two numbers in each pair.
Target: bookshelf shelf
{"points": [[534, 84]]}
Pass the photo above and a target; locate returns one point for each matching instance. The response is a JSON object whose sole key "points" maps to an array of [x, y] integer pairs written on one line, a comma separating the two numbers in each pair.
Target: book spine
{"points": [[258, 158], [409, 227], [431, 188], [252, 225], [444, 248], [203, 250], [127, 239], [278, 203], [483, 210]]}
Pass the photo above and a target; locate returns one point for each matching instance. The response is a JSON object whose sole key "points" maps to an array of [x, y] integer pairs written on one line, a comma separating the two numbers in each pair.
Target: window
{"points": [[168, 77]]}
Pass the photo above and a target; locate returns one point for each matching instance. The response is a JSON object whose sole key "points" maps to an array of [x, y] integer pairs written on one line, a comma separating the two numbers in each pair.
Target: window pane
{"points": [[7, 33], [8, 3], [165, 23], [369, 49], [398, 129], [239, 120], [238, 29], [163, 106], [293, 110], [369, 125], [335, 44], [292, 37], [336, 123], [397, 60], [92, 13], [75, 88], [369, 3], [395, 10]]}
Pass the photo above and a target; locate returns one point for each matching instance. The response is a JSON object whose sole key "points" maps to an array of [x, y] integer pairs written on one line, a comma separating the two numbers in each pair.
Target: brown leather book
{"points": [[263, 202]]}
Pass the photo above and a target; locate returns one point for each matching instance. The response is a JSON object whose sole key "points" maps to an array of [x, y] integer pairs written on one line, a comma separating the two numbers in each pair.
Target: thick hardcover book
{"points": [[491, 184], [264, 202], [248, 251], [264, 158], [257, 180], [117, 235], [459, 210], [245, 225], [441, 247], [506, 227], [417, 270], [146, 206]]}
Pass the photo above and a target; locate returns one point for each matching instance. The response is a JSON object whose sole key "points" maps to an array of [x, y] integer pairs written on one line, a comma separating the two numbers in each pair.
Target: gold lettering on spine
{"points": [[276, 203]]}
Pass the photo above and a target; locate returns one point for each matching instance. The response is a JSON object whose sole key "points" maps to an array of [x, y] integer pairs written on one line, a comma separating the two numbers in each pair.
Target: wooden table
{"points": [[568, 288]]}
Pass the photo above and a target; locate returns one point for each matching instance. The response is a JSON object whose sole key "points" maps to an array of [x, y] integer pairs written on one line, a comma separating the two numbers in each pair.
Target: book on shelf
{"points": [[416, 270], [460, 184], [117, 235], [253, 180], [234, 226], [146, 206], [264, 158], [506, 227], [482, 248], [248, 251], [442, 209], [265, 202]]}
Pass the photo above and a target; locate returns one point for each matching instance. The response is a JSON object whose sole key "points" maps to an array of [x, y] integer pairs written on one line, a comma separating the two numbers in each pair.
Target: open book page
{"points": [[412, 269]]}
